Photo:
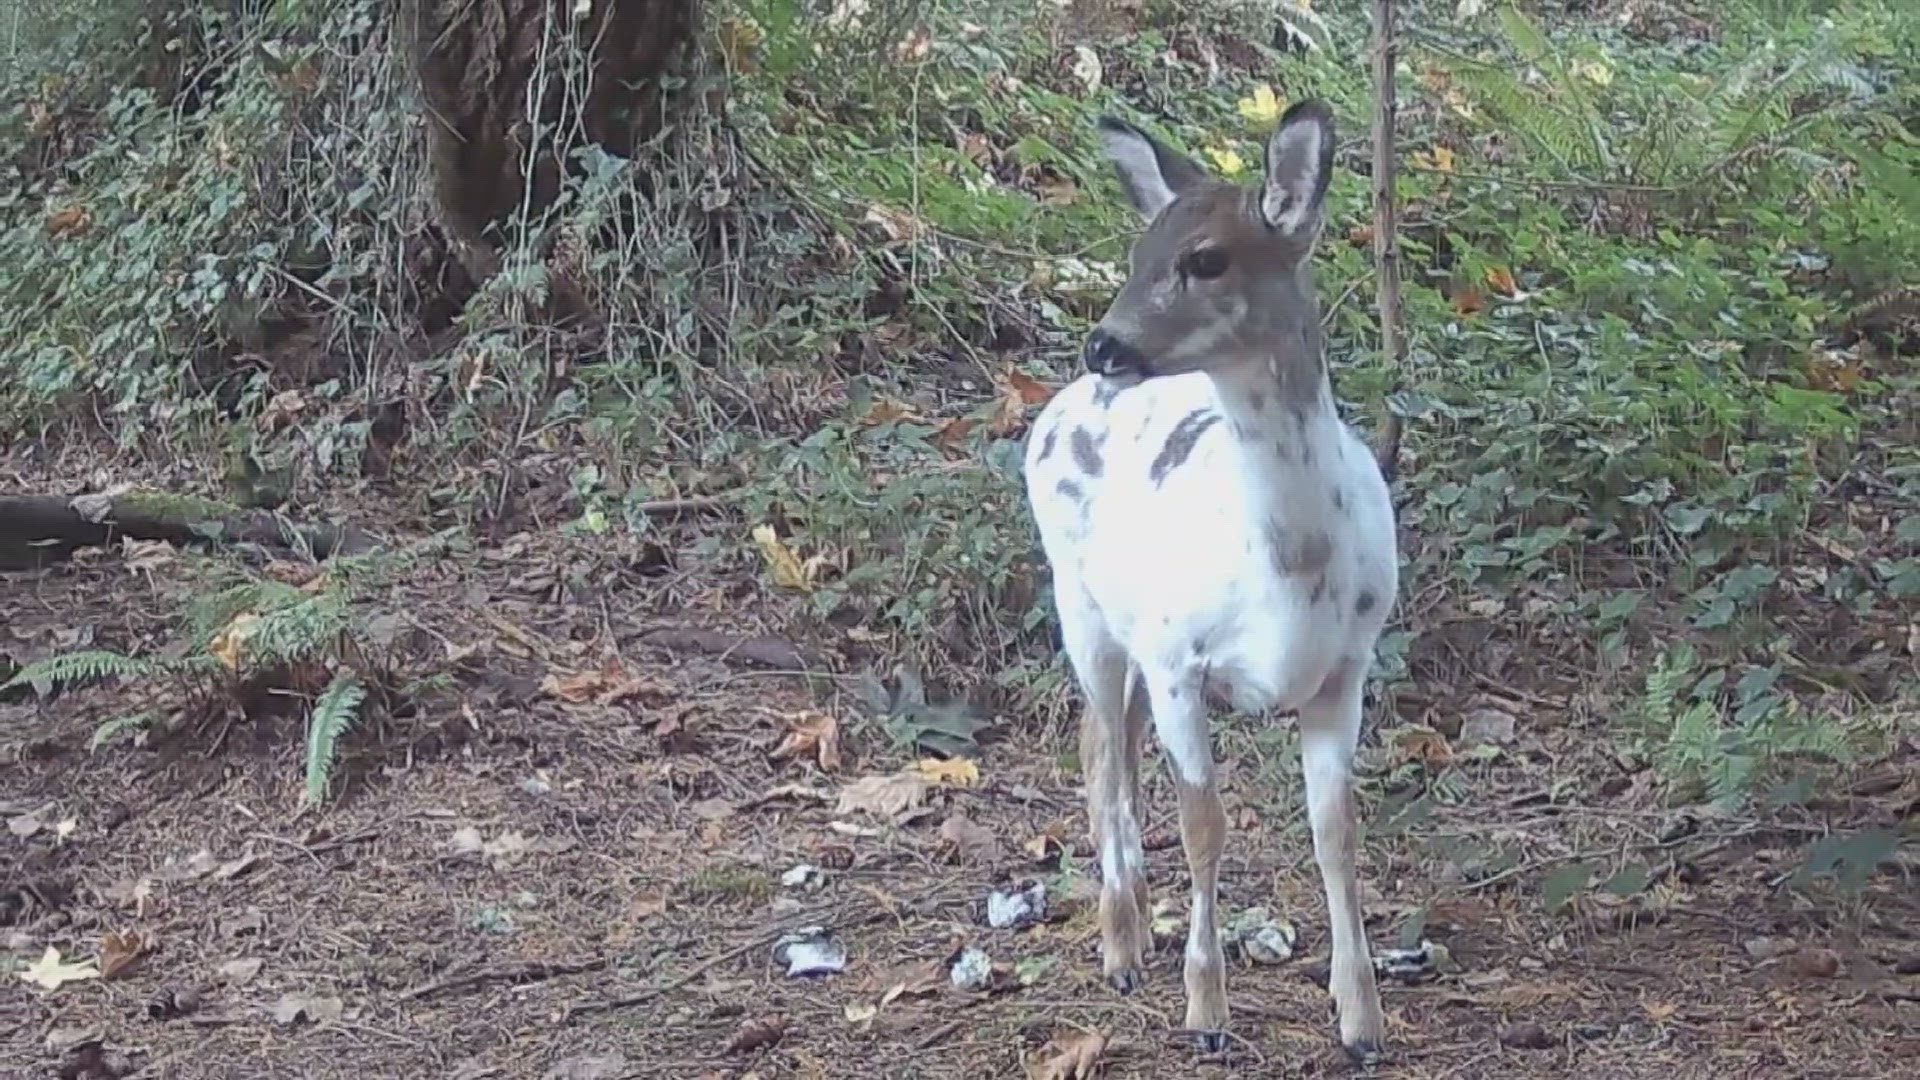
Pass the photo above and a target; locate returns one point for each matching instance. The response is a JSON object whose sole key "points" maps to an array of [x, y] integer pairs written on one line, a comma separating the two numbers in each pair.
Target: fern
{"points": [[311, 628], [91, 665], [333, 714], [118, 726]]}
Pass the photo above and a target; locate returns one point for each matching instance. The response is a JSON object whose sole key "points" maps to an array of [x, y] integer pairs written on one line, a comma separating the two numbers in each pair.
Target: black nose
{"points": [[1106, 354]]}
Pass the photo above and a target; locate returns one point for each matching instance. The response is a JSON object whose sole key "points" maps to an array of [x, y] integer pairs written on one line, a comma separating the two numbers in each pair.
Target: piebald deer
{"points": [[1216, 532]]}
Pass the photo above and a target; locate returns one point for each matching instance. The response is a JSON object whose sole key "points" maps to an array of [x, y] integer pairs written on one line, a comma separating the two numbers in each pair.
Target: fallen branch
{"points": [[36, 530], [769, 652]]}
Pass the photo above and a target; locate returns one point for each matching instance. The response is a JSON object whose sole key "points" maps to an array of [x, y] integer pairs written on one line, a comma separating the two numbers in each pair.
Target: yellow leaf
{"points": [[1263, 107], [957, 772], [51, 973], [1500, 279], [1595, 72], [1229, 162], [787, 571], [232, 638], [1439, 159]]}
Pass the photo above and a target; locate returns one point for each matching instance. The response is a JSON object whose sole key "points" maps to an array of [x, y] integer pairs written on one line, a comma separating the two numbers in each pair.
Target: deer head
{"points": [[1221, 278]]}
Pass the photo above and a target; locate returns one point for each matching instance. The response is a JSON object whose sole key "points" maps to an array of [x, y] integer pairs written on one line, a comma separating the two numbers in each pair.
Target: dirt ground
{"points": [[510, 883]]}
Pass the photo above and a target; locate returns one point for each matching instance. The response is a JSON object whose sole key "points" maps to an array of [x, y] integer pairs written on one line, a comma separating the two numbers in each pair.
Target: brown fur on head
{"points": [[1221, 277]]}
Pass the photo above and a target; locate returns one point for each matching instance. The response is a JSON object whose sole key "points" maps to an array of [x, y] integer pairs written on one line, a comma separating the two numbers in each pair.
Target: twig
{"points": [[1386, 241], [1717, 842], [691, 503], [517, 973]]}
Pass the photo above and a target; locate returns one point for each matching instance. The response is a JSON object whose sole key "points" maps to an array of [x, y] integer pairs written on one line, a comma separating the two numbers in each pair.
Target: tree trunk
{"points": [[1386, 224], [511, 87]]}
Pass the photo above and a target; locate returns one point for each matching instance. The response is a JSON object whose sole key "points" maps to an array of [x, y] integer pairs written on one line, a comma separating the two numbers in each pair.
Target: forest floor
{"points": [[569, 862]]}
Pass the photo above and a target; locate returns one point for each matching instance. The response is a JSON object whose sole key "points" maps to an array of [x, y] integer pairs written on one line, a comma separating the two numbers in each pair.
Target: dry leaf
{"points": [[1500, 280], [1360, 236], [885, 795], [756, 1035], [896, 224], [740, 39], [1031, 390], [788, 573], [51, 973], [1009, 415], [607, 685], [1467, 300], [120, 950], [69, 219], [1833, 372], [1439, 159], [1073, 1057], [860, 1012], [1087, 67], [1045, 848], [971, 839], [232, 638], [240, 972], [1056, 190], [1422, 744], [647, 905], [292, 1008], [954, 772], [953, 434], [812, 735]]}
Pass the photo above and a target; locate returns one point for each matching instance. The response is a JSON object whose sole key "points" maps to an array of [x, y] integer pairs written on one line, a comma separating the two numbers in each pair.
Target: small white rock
{"points": [[1011, 910], [1258, 936], [972, 969], [802, 876], [809, 951]]}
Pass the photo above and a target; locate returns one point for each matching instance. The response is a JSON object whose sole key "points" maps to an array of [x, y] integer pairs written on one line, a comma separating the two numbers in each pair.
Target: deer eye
{"points": [[1204, 264]]}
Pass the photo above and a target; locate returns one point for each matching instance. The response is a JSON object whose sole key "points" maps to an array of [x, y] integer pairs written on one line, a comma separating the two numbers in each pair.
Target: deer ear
{"points": [[1299, 166], [1153, 174]]}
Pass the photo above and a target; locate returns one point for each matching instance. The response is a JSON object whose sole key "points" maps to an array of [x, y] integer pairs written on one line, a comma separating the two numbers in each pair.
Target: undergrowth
{"points": [[1661, 305]]}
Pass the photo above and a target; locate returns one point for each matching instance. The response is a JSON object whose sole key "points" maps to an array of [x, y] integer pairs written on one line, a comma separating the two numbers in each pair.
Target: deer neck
{"points": [[1278, 401]]}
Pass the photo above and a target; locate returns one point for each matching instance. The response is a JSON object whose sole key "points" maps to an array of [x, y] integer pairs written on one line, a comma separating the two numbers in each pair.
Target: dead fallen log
{"points": [[36, 530]]}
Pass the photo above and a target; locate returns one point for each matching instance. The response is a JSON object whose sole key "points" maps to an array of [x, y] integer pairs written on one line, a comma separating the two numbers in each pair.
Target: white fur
{"points": [[1155, 567]]}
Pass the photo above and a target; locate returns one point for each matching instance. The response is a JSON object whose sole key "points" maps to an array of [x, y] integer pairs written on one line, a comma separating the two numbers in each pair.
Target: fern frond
{"points": [[90, 665], [333, 714], [310, 629], [120, 725]]}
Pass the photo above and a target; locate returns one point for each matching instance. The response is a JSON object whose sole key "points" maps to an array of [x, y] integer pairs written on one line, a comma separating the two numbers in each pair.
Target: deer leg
{"points": [[1109, 758], [1180, 718], [1329, 733]]}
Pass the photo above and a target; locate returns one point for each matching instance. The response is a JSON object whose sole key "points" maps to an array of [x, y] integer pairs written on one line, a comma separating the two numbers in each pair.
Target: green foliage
{"points": [[86, 666], [238, 630], [1720, 744], [333, 713]]}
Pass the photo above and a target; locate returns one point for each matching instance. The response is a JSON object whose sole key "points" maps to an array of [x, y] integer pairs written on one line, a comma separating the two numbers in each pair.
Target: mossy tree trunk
{"points": [[512, 86]]}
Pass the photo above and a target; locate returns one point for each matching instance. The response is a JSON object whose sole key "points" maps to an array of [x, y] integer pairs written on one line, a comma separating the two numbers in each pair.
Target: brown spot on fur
{"points": [[1086, 452], [1365, 602], [1295, 550], [1180, 443]]}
